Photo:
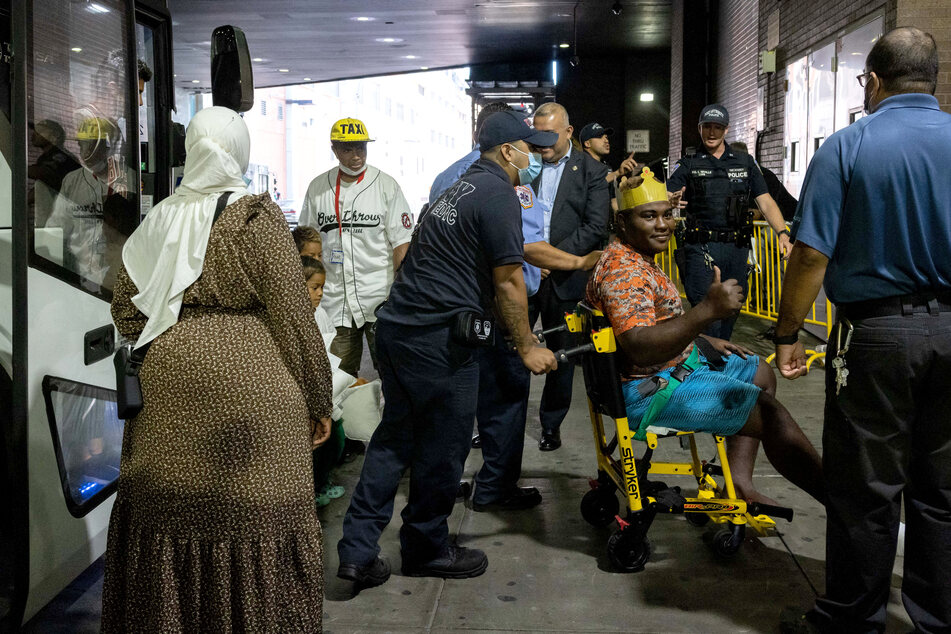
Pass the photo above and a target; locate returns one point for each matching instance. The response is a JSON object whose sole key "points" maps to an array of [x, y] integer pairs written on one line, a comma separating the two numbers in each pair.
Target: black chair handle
{"points": [[563, 356]]}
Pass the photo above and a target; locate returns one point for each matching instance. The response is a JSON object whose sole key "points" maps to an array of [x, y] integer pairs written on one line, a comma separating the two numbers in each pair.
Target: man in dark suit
{"points": [[573, 186]]}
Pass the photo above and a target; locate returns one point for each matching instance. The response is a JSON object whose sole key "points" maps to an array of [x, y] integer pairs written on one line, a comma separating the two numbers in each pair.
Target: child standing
{"points": [[325, 457]]}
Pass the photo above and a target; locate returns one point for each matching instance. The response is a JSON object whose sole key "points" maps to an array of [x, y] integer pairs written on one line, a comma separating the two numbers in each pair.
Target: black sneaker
{"points": [[520, 499], [458, 563], [372, 574]]}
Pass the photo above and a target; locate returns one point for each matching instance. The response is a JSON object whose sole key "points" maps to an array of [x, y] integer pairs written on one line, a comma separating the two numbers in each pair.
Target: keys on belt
{"points": [[838, 363]]}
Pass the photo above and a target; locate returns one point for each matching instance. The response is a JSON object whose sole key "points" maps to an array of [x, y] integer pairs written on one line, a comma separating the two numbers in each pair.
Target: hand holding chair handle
{"points": [[563, 356]]}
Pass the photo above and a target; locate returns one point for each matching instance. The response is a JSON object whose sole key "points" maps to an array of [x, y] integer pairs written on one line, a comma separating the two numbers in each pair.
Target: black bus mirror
{"points": [[232, 83], [177, 145]]}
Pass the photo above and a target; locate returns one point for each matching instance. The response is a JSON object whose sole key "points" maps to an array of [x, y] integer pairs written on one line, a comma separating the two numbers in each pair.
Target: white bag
{"points": [[362, 410]]}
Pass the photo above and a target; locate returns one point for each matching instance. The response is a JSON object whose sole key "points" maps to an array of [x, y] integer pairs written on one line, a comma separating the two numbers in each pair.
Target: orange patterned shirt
{"points": [[633, 292]]}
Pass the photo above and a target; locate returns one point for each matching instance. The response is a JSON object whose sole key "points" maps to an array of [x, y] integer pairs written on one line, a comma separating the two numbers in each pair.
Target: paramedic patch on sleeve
{"points": [[407, 221], [525, 197]]}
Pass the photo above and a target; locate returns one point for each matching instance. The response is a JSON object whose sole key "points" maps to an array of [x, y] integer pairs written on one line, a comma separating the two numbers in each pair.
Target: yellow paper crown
{"points": [[650, 191]]}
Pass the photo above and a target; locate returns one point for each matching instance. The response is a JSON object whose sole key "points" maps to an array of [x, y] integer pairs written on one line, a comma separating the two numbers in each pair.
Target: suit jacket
{"points": [[579, 218]]}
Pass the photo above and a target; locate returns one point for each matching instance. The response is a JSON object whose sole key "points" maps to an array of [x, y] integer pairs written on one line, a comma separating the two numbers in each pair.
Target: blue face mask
{"points": [[527, 174]]}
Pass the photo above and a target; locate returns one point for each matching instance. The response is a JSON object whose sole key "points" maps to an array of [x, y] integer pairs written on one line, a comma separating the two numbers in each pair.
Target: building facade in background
{"points": [[420, 123]]}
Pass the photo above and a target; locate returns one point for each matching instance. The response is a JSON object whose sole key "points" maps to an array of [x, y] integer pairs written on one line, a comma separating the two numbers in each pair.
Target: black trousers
{"points": [[887, 439], [697, 277], [556, 397], [503, 383], [430, 385]]}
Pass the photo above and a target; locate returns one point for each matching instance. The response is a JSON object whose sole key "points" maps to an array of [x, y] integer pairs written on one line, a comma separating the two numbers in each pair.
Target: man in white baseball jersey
{"points": [[365, 224]]}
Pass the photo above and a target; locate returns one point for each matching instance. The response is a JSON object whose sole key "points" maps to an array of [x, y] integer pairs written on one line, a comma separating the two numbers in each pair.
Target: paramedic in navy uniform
{"points": [[465, 258], [712, 177]]}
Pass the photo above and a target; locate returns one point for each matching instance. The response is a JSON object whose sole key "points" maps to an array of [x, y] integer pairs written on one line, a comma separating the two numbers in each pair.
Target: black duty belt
{"points": [[702, 236], [924, 302]]}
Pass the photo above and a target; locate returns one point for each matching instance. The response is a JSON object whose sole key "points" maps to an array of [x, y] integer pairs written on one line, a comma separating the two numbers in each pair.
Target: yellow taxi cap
{"points": [[95, 128], [348, 130], [650, 191]]}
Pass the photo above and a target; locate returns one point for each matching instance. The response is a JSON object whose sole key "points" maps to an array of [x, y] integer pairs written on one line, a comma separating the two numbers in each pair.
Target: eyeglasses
{"points": [[863, 79]]}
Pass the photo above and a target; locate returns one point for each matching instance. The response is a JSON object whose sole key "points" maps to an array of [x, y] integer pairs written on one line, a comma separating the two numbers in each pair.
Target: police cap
{"points": [[715, 113]]}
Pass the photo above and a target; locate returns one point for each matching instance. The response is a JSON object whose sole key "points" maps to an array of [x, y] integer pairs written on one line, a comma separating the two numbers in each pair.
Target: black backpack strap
{"points": [[714, 358], [222, 203]]}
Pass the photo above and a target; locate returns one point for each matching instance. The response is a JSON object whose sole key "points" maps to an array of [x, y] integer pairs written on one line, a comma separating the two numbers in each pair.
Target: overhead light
{"points": [[95, 7], [196, 81], [258, 59], [647, 96], [362, 18], [616, 8], [424, 68], [564, 45], [389, 40], [306, 78], [283, 70], [410, 57], [76, 50]]}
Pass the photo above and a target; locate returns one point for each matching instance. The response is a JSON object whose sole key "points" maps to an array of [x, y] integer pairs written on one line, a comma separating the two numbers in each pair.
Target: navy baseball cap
{"points": [[715, 113], [594, 131], [509, 126]]}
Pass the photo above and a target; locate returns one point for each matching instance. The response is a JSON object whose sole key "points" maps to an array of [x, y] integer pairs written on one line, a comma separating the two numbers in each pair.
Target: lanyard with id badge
{"points": [[336, 255]]}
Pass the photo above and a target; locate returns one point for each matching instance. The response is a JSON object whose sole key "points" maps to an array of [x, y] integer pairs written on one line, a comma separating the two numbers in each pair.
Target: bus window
{"points": [[83, 178], [87, 437]]}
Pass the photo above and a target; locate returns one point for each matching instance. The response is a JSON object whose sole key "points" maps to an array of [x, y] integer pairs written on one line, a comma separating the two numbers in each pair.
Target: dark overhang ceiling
{"points": [[323, 40]]}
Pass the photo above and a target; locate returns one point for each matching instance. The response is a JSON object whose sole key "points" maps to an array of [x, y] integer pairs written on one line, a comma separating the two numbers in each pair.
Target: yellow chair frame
{"points": [[620, 470]]}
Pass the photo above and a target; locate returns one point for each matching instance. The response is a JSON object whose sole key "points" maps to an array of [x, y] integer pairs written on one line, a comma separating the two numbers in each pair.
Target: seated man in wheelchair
{"points": [[726, 389]]}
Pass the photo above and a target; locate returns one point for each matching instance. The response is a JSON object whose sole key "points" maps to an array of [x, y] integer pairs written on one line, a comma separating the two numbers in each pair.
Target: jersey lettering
{"points": [[445, 207]]}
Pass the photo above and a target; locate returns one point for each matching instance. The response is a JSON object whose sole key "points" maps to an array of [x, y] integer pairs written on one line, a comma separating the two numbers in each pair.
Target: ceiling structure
{"points": [[297, 41]]}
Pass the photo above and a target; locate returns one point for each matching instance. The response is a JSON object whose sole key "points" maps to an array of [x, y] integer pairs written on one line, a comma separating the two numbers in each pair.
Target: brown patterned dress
{"points": [[214, 526]]}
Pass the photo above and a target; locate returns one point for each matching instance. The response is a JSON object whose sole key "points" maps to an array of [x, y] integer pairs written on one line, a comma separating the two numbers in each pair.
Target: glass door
{"points": [[8, 475], [154, 67], [822, 77], [82, 200], [854, 47]]}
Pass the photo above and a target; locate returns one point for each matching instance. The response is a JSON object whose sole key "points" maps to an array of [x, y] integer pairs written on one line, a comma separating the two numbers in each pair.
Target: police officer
{"points": [[721, 185], [464, 260]]}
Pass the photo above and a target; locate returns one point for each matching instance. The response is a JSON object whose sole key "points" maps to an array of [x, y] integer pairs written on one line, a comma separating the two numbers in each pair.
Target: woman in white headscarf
{"points": [[214, 526]]}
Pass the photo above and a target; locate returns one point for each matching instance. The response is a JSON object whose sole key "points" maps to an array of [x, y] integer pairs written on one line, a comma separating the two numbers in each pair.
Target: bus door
{"points": [[76, 196]]}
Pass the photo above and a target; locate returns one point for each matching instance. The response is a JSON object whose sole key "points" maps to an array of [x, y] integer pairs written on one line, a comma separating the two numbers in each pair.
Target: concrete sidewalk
{"points": [[548, 569]]}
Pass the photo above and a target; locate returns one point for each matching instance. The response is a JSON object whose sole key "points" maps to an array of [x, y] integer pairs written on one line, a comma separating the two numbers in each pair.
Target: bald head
{"points": [[552, 109], [906, 60], [552, 117]]}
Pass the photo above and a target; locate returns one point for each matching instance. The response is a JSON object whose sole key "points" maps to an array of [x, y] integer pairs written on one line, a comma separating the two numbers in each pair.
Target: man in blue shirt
{"points": [[465, 259], [454, 172], [874, 224]]}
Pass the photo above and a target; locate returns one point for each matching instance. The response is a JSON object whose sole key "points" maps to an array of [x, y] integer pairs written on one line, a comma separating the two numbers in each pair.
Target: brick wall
{"points": [[676, 78], [803, 25], [737, 67], [933, 16]]}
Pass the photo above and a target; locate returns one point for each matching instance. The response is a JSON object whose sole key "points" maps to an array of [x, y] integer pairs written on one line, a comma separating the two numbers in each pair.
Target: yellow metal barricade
{"points": [[765, 282]]}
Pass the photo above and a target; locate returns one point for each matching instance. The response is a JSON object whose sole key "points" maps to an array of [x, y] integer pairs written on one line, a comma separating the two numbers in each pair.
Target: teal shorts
{"points": [[709, 401]]}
